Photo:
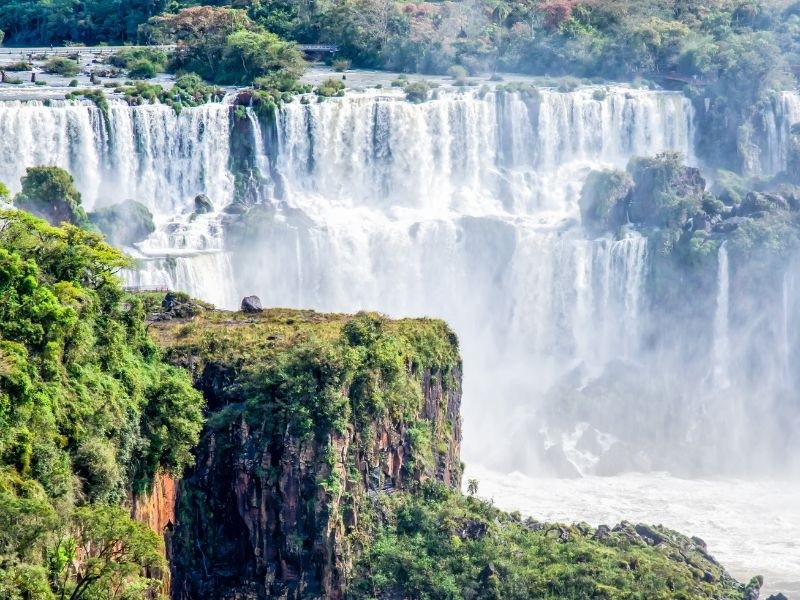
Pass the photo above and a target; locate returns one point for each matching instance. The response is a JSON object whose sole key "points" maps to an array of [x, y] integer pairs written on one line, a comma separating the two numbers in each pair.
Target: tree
{"points": [[107, 555], [50, 193], [201, 33], [252, 54], [472, 487]]}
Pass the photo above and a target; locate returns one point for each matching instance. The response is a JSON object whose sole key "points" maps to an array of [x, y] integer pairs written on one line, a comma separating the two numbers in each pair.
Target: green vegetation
{"points": [[330, 87], [434, 543], [62, 66], [417, 91], [141, 63], [294, 366], [225, 46], [603, 200], [18, 66], [50, 193], [88, 413]]}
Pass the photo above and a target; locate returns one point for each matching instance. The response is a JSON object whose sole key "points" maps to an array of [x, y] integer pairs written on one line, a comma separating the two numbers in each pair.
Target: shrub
{"points": [[340, 65], [330, 87], [62, 66], [50, 193], [73, 83], [417, 91], [568, 84], [142, 69], [18, 66], [124, 224], [457, 72], [126, 58]]}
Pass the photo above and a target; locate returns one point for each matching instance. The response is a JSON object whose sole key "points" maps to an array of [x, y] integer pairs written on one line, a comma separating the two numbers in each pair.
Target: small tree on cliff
{"points": [[50, 193], [107, 556]]}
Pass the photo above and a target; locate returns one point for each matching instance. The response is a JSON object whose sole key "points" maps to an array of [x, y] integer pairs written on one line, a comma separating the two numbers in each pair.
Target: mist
{"points": [[577, 361]]}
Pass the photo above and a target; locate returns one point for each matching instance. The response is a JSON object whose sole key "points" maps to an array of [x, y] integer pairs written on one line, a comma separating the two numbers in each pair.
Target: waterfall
{"points": [[146, 153], [779, 117], [464, 207], [208, 276], [722, 349]]}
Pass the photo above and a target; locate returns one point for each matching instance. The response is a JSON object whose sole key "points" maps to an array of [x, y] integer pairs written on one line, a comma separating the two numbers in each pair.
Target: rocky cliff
{"points": [[329, 467], [310, 417]]}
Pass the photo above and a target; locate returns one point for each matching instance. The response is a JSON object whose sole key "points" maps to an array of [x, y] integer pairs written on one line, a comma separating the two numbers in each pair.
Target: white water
{"points": [[146, 153], [722, 341], [464, 208], [751, 526], [784, 112]]}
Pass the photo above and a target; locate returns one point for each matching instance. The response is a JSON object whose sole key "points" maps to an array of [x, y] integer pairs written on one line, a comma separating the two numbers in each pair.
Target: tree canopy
{"points": [[88, 413]]}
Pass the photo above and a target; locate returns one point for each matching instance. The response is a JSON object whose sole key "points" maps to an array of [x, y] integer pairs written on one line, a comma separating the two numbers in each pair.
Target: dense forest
{"points": [[721, 38]]}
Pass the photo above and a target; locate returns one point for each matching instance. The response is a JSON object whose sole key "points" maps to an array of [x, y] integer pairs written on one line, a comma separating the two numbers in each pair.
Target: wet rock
{"points": [[604, 201], [602, 533], [473, 530], [760, 202], [252, 304], [203, 205], [700, 542], [753, 589], [488, 571], [666, 193], [169, 302], [729, 225], [649, 535], [777, 596]]}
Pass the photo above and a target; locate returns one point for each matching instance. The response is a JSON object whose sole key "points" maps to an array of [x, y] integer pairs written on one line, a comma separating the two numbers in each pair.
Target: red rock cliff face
{"points": [[156, 509], [264, 516]]}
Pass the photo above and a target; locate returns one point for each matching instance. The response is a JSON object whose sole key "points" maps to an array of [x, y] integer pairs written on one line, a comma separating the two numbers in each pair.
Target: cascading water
{"points": [[721, 320], [464, 207], [779, 117], [149, 154]]}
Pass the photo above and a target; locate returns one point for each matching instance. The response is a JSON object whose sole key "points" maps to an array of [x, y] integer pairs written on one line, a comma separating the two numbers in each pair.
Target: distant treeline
{"points": [[743, 48]]}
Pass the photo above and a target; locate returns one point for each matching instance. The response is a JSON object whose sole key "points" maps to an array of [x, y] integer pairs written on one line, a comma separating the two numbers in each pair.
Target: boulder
{"points": [[666, 193], [604, 201], [169, 302], [761, 202], [203, 205], [124, 224], [729, 225], [252, 304]]}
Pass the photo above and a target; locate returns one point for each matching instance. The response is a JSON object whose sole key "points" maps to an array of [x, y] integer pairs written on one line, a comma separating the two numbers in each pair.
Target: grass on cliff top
{"points": [[310, 372], [222, 336], [438, 544]]}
